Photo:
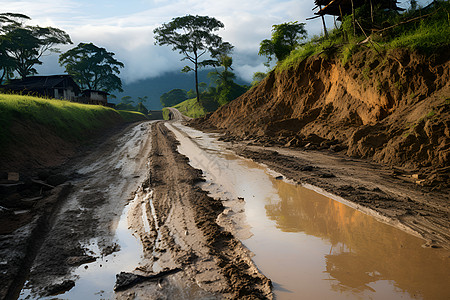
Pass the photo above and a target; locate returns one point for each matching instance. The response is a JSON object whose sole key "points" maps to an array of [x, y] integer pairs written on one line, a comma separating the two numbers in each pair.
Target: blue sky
{"points": [[126, 28]]}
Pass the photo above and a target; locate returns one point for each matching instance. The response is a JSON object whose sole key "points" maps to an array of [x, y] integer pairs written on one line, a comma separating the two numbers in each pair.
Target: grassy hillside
{"points": [[190, 108], [67, 119], [425, 31], [28, 123]]}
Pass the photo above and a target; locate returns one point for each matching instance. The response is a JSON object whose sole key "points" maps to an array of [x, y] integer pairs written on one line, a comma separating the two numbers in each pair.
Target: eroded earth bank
{"points": [[375, 130]]}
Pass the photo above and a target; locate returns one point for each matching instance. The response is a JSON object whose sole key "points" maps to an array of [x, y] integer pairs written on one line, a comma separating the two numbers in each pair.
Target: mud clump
{"points": [[59, 288], [393, 109], [190, 238]]}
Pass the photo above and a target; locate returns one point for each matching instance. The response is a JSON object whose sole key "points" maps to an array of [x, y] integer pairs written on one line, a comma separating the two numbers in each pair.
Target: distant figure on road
{"points": [[170, 115]]}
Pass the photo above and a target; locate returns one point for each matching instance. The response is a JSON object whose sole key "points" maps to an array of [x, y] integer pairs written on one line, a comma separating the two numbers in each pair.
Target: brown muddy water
{"points": [[309, 243], [96, 280]]}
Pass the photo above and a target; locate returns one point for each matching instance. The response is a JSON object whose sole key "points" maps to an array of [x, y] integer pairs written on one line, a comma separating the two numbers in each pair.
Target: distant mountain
{"points": [[155, 87]]}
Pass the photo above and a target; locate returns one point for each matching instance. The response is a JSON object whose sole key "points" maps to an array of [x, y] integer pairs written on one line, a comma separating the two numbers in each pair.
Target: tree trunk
{"points": [[196, 78], [353, 19], [324, 25]]}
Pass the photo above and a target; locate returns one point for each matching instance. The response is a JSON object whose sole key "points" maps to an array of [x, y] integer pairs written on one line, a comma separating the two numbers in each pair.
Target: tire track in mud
{"points": [[189, 236], [101, 182]]}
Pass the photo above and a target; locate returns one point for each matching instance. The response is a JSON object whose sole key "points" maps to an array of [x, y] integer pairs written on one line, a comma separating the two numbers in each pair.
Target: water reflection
{"points": [[362, 250], [313, 247]]}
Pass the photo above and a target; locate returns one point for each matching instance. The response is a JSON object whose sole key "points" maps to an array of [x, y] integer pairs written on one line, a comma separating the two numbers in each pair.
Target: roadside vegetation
{"points": [[68, 120], [190, 107], [425, 30]]}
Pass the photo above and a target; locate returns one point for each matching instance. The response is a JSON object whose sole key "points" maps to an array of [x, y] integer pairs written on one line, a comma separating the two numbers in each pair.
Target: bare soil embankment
{"points": [[184, 234], [392, 111]]}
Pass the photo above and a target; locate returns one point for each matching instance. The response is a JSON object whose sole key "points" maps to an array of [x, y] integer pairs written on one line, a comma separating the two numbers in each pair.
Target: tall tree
{"points": [[193, 37], [21, 47], [92, 67], [173, 97], [285, 38], [7, 21], [224, 77]]}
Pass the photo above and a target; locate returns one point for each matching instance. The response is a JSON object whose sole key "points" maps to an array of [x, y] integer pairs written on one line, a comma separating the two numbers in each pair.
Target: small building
{"points": [[54, 86], [95, 97]]}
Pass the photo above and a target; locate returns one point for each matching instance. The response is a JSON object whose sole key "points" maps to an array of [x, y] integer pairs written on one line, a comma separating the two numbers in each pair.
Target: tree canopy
{"points": [[193, 37], [21, 47], [223, 77], [173, 97], [285, 38], [258, 77], [92, 67]]}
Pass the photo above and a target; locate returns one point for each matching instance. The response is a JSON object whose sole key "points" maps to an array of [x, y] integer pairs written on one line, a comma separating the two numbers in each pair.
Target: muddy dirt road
{"points": [[101, 184], [189, 229], [81, 250]]}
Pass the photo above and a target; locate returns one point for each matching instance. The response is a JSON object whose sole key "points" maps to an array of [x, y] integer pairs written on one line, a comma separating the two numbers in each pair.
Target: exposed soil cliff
{"points": [[392, 108]]}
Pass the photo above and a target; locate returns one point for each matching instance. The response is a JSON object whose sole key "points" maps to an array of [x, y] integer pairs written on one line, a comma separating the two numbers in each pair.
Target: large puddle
{"points": [[312, 246], [96, 280]]}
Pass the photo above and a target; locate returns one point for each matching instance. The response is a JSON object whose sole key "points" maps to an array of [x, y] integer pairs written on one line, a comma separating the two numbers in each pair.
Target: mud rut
{"points": [[173, 218], [184, 233], [101, 184]]}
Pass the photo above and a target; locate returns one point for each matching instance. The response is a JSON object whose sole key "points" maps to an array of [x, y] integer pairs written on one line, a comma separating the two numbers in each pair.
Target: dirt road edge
{"points": [[186, 217]]}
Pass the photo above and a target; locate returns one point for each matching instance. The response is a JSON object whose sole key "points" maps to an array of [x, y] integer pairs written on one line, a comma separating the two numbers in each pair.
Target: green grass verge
{"points": [[132, 116], [190, 108], [68, 120], [429, 36]]}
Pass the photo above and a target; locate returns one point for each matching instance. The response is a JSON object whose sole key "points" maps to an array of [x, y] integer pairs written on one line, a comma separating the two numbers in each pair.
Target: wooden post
{"points": [[323, 22], [371, 12], [353, 19], [342, 20]]}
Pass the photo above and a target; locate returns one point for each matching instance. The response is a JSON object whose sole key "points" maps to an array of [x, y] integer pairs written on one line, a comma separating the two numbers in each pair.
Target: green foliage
{"points": [[347, 51], [92, 67], [143, 99], [229, 93], [132, 116], [225, 88], [141, 108], [21, 47], [71, 121], [127, 100], [285, 38], [125, 106], [258, 77], [424, 30], [173, 97], [430, 35], [193, 37], [298, 55], [224, 77], [191, 108]]}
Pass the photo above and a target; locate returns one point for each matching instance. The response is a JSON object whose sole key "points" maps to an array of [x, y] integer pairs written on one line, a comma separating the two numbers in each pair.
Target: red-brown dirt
{"points": [[393, 109]]}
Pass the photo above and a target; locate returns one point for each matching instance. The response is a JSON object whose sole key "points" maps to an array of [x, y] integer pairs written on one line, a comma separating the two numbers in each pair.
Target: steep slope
{"points": [[392, 108]]}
